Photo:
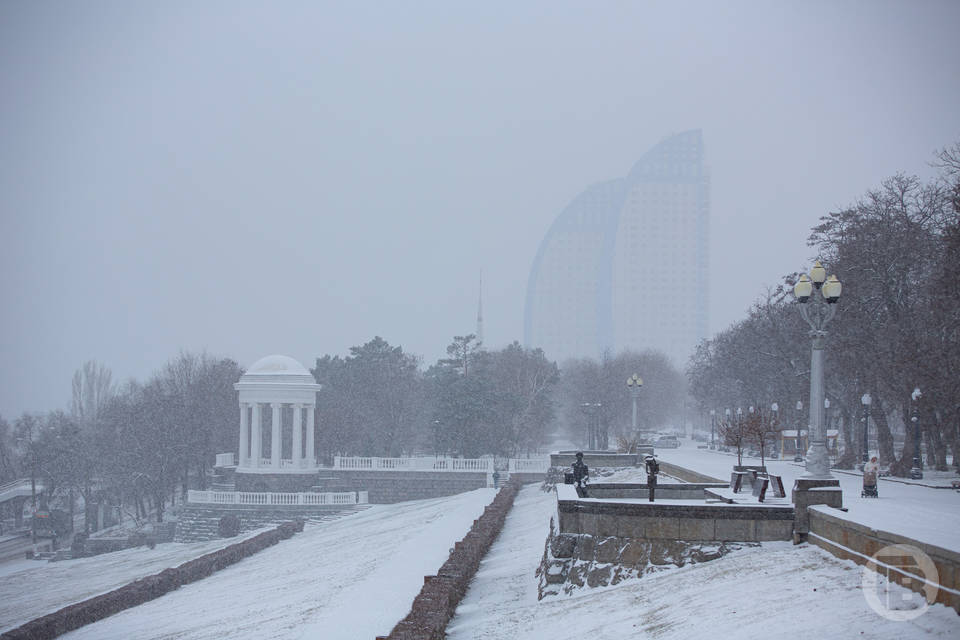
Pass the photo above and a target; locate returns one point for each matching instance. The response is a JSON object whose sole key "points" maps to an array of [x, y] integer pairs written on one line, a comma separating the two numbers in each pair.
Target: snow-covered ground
{"points": [[918, 512], [345, 579], [32, 588], [354, 578], [773, 591]]}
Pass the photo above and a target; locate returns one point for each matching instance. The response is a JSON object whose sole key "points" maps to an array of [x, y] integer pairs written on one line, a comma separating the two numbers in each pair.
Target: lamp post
{"points": [[739, 433], [592, 425], [713, 424], [775, 421], [817, 310], [826, 421], [634, 383], [797, 456], [865, 400], [727, 415], [917, 471]]}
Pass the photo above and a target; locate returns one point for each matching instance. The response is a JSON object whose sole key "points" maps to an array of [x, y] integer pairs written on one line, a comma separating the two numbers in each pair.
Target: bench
{"points": [[774, 483]]}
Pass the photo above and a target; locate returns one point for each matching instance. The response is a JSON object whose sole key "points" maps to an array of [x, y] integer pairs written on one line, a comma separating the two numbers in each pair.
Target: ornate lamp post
{"points": [[817, 310], [865, 400], [917, 471], [713, 426], [634, 383]]}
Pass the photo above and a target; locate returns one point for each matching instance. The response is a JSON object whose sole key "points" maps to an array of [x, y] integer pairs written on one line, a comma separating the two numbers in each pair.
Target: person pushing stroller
{"points": [[870, 472]]}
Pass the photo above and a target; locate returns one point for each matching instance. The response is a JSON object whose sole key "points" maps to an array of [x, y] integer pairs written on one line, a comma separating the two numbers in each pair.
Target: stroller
{"points": [[870, 481]]}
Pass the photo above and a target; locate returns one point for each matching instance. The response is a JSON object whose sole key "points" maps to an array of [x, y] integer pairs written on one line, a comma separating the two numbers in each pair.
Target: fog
{"points": [[298, 177]]}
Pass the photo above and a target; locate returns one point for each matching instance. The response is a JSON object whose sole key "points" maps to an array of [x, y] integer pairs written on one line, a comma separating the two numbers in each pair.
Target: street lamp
{"points": [[634, 383], [727, 415], [713, 423], [797, 456], [865, 400], [917, 471], [817, 310], [593, 426]]}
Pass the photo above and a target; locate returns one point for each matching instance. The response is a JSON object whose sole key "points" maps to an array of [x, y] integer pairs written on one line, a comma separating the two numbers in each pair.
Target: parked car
{"points": [[668, 442]]}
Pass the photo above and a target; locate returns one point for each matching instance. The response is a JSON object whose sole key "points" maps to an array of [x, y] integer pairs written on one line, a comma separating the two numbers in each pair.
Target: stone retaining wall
{"points": [[99, 607], [528, 477], [852, 541], [572, 561], [387, 487], [438, 599], [384, 487], [687, 475], [274, 482], [565, 459], [641, 491], [652, 520], [198, 523]]}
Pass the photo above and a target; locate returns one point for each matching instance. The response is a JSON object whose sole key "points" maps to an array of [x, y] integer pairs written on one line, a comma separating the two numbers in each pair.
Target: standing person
{"points": [[870, 472], [581, 474], [653, 468]]}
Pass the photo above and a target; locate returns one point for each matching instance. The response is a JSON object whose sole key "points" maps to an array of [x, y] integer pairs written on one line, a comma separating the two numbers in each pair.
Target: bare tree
{"points": [[92, 390]]}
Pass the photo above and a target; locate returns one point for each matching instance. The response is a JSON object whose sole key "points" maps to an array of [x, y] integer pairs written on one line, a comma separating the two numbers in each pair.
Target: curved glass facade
{"points": [[625, 264]]}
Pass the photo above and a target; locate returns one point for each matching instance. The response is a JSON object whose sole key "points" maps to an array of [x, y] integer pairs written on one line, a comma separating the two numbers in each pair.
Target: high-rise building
{"points": [[624, 266]]}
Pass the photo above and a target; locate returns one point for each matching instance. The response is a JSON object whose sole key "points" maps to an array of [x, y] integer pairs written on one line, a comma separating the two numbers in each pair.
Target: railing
{"points": [[276, 499], [285, 463], [19, 488], [225, 459], [481, 465], [529, 465]]}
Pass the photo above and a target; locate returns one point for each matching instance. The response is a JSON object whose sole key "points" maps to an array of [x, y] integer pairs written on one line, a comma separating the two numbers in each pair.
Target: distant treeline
{"points": [[140, 445]]}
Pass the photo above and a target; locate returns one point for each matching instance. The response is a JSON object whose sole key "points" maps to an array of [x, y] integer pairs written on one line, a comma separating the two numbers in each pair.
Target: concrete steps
{"points": [[202, 523]]}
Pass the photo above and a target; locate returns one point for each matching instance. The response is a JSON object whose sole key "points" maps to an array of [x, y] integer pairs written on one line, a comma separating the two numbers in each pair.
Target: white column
{"points": [[256, 435], [297, 435], [275, 436], [311, 459], [244, 436]]}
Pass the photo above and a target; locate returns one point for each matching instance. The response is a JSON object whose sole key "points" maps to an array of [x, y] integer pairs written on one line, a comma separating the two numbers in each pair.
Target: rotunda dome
{"points": [[277, 365]]}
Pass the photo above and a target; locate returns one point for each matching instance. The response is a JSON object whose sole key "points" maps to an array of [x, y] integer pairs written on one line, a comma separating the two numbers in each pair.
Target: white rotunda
{"points": [[283, 387]]}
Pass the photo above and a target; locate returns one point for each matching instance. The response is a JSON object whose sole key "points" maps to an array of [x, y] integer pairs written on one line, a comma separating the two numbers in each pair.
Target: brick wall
{"points": [[440, 595]]}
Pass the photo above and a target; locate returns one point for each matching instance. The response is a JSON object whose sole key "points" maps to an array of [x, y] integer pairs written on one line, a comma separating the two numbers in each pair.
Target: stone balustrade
{"points": [[528, 465], [276, 499], [482, 465]]}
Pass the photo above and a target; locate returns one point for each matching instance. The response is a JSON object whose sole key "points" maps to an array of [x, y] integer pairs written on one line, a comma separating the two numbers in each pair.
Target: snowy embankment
{"points": [[929, 515], [773, 591], [345, 579], [32, 588]]}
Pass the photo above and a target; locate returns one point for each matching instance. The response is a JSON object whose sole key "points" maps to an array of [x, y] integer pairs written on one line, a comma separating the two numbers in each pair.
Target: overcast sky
{"points": [[298, 177]]}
